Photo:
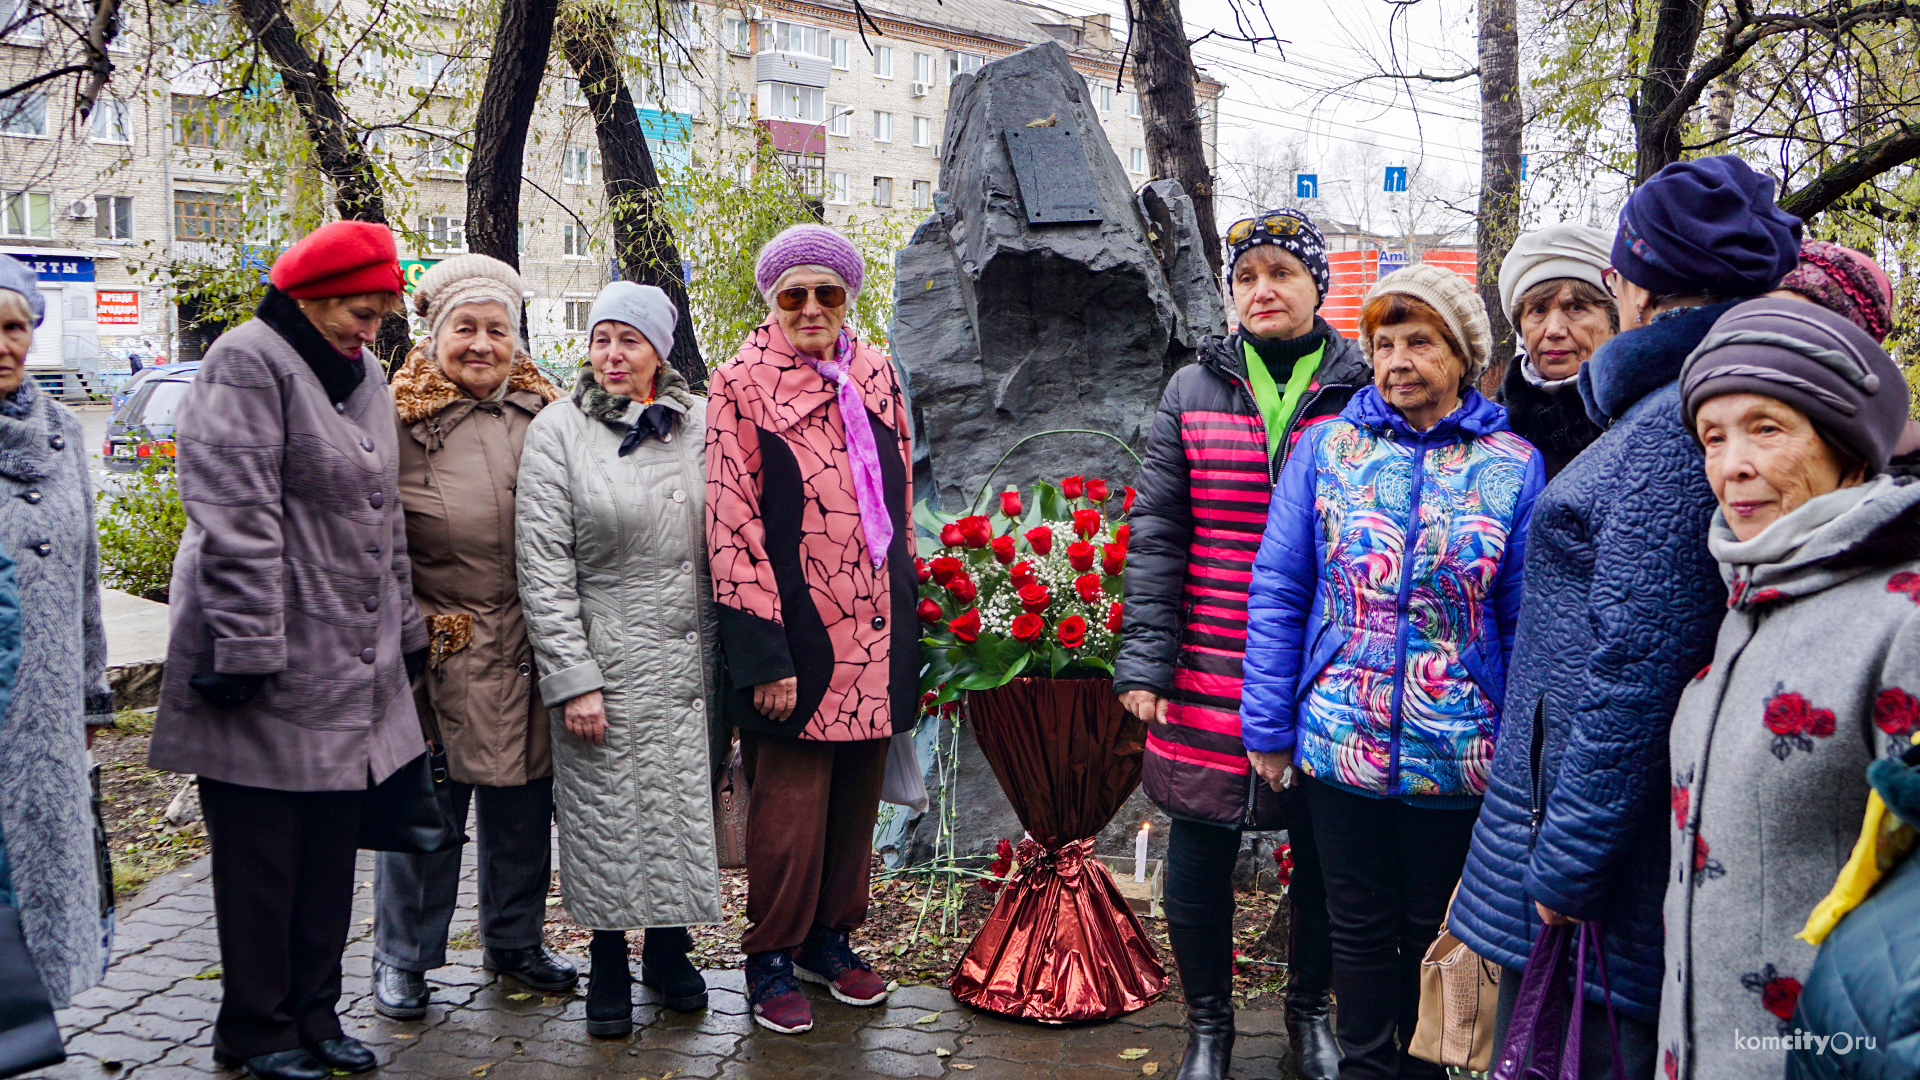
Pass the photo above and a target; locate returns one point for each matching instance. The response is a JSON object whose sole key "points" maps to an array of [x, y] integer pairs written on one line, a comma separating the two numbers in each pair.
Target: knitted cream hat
{"points": [[462, 279], [1453, 297]]}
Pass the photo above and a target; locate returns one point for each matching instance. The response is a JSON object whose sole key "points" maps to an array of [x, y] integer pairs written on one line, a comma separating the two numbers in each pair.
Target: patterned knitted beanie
{"points": [[463, 279], [1846, 283], [808, 245]]}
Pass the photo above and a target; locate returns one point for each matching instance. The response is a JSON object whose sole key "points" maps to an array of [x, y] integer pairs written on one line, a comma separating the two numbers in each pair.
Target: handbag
{"points": [[730, 813], [1459, 998], [29, 1039], [411, 812], [102, 853], [904, 783], [1543, 1038]]}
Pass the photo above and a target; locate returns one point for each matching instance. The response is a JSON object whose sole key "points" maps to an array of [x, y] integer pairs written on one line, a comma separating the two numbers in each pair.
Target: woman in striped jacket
{"points": [[1222, 433]]}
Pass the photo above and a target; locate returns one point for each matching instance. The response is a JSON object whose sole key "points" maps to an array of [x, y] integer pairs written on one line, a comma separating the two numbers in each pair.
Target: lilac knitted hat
{"points": [[808, 245]]}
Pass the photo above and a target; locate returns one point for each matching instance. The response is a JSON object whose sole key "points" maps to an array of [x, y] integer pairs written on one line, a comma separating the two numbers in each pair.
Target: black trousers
{"points": [[282, 898], [1390, 869], [414, 895]]}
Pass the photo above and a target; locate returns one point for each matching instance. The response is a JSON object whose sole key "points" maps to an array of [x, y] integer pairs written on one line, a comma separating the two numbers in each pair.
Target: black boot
{"points": [[536, 966], [1312, 1051], [1203, 951], [609, 986], [664, 967], [1310, 1043]]}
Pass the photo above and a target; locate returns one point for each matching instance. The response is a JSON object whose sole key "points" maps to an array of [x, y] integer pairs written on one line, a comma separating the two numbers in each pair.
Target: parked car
{"points": [[142, 426]]}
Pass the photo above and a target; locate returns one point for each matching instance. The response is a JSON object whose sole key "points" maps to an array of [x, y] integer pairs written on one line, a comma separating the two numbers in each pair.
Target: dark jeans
{"points": [[282, 899], [1639, 1043], [414, 895], [809, 835], [1390, 868]]}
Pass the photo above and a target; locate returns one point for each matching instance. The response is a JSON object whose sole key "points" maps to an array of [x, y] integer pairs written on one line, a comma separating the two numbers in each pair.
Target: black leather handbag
{"points": [[411, 812], [28, 1037]]}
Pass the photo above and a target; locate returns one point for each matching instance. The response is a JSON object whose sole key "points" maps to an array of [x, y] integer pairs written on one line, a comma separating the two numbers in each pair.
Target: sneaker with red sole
{"points": [[774, 994], [828, 959]]}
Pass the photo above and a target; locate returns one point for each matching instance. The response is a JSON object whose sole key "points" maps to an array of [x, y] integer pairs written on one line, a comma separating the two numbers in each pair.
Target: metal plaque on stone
{"points": [[1050, 165]]}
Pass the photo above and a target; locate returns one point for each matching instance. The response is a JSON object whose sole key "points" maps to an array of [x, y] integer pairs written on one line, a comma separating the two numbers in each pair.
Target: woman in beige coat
{"points": [[463, 402], [613, 573]]}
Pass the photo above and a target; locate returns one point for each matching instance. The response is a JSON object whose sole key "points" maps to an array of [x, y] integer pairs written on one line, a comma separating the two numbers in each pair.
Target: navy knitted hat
{"points": [[1706, 226]]}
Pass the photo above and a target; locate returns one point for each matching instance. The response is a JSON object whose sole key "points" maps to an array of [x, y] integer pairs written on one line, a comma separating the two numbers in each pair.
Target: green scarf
{"points": [[1277, 406]]}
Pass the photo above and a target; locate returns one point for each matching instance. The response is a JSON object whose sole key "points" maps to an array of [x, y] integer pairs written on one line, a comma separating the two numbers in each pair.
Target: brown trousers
{"points": [[809, 835]]}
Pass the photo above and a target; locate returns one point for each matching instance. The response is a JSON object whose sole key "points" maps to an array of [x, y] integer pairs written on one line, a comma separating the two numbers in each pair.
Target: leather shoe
{"points": [[534, 966], [1311, 1047], [294, 1064], [397, 994], [1209, 1038], [345, 1054]]}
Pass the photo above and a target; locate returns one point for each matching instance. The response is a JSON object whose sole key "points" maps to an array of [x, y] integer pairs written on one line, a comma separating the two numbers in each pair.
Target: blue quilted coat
{"points": [[1385, 595], [1623, 601]]}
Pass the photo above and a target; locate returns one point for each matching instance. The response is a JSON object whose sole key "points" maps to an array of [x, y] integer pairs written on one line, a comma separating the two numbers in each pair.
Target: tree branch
{"points": [[1848, 174], [45, 76]]}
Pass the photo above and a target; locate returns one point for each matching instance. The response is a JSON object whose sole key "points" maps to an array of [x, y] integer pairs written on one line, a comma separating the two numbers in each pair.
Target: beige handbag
{"points": [[1459, 995], [730, 813]]}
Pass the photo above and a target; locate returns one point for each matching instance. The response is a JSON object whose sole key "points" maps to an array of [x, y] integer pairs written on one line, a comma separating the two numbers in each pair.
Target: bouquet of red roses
{"points": [[1028, 589]]}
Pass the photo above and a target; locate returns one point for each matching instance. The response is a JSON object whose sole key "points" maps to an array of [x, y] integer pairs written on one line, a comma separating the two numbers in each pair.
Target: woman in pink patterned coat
{"points": [[812, 558]]}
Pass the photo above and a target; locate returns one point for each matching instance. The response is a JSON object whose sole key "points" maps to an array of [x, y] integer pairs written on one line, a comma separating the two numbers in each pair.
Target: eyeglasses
{"points": [[1271, 224], [830, 296]]}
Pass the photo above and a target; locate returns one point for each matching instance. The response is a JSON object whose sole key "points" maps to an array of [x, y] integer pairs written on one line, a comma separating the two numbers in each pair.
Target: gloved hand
{"points": [[226, 691], [416, 662]]}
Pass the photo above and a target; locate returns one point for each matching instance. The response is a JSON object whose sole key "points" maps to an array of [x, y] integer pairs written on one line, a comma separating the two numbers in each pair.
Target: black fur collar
{"points": [[339, 375]]}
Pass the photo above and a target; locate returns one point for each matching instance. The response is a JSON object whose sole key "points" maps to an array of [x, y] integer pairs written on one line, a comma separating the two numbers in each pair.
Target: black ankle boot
{"points": [[664, 967], [1203, 951], [1312, 1051], [1209, 1038], [1310, 1042], [609, 986]]}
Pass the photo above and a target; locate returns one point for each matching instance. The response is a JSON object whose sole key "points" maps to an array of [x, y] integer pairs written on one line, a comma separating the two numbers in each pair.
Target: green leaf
{"points": [[1058, 659]]}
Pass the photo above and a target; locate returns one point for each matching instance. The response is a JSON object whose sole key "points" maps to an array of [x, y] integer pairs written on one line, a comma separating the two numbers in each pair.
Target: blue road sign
{"points": [[1523, 166], [1396, 178], [1306, 185]]}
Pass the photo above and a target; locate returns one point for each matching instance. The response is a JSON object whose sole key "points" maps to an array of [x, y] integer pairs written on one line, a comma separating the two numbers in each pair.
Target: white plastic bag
{"points": [[905, 783]]}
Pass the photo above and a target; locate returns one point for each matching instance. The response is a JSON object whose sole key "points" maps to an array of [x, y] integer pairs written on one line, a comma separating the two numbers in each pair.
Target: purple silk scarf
{"points": [[875, 522]]}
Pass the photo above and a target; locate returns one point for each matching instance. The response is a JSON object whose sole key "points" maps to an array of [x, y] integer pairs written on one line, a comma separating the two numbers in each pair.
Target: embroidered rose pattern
{"points": [[1897, 713], [1795, 723], [1705, 867], [1906, 581], [1670, 1064], [1681, 797], [1778, 993]]}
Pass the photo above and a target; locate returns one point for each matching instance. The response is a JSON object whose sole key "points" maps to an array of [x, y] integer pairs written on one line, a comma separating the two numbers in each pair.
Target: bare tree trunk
{"points": [[642, 243], [1163, 75], [1676, 32], [1500, 129], [521, 42]]}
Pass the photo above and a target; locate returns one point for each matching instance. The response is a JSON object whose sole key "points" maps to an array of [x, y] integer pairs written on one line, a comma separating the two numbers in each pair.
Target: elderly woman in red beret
{"points": [[292, 607]]}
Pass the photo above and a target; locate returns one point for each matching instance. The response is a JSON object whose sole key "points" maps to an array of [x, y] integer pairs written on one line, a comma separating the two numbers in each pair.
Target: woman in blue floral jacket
{"points": [[1382, 614]]}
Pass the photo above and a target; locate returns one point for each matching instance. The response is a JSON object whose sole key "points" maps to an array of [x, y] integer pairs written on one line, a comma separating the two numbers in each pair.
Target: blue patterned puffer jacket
{"points": [[1378, 637]]}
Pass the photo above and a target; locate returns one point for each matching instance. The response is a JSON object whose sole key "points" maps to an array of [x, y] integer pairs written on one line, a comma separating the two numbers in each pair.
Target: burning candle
{"points": [[1140, 853]]}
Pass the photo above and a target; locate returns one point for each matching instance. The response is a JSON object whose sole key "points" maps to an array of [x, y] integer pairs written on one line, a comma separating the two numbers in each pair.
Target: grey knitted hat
{"points": [[1810, 358], [1453, 297], [465, 279], [643, 307], [1566, 250], [15, 277]]}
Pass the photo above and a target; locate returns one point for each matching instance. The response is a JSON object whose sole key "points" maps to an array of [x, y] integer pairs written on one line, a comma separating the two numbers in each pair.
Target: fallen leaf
{"points": [[1134, 1053], [1150, 1068], [366, 922], [481, 1071], [963, 1066], [931, 1017], [893, 985], [523, 997], [941, 1051], [553, 901]]}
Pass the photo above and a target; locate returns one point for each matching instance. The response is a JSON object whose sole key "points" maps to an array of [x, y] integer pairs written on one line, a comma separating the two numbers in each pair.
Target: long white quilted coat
{"points": [[613, 577]]}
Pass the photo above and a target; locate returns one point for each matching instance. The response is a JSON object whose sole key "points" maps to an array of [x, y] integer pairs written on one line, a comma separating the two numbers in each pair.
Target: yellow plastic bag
{"points": [[1884, 841]]}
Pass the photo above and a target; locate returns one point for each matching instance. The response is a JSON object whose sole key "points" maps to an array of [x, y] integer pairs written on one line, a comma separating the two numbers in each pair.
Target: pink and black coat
{"points": [[1202, 506]]}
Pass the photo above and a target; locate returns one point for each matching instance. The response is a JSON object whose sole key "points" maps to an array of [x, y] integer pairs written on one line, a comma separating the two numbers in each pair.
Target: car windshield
{"points": [[160, 405]]}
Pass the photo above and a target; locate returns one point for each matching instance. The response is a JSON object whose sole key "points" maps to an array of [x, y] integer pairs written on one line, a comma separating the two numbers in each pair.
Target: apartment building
{"points": [[167, 175]]}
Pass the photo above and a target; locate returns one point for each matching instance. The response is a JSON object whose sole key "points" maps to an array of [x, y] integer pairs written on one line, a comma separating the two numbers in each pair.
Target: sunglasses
{"points": [[1271, 224], [830, 296]]}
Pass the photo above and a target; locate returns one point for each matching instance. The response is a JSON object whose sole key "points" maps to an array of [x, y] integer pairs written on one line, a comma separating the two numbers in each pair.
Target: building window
{"points": [[444, 233], [441, 154], [1133, 105], [922, 131], [795, 37], [883, 191], [113, 217], [736, 107], [1137, 160], [837, 188], [962, 63], [923, 68], [671, 157], [737, 36], [437, 73], [883, 61], [923, 194], [839, 120], [204, 123], [1106, 98], [882, 127], [109, 121], [573, 241], [576, 165], [685, 24], [207, 215], [26, 213], [571, 93], [576, 315], [24, 114], [19, 21], [840, 51], [679, 96], [786, 101]]}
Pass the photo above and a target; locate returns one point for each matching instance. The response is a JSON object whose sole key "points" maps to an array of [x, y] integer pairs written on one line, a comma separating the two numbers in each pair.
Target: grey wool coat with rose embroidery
{"points": [[1815, 674]]}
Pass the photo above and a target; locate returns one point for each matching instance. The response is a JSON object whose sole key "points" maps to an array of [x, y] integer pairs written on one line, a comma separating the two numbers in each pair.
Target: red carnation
{"points": [[966, 625], [1113, 618], [1072, 487], [951, 709], [1027, 629], [1072, 631], [921, 571], [1040, 539], [943, 568], [1001, 866], [1896, 712], [1010, 503], [975, 530], [1022, 574], [1003, 549], [1126, 500], [951, 536], [1780, 995], [1086, 522], [1088, 586], [927, 699], [1080, 555], [1034, 597], [963, 588], [1113, 558], [1097, 490], [1283, 864], [929, 612]]}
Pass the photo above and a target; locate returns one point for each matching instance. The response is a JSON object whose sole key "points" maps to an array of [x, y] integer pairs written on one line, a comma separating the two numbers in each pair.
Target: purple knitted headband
{"points": [[808, 245]]}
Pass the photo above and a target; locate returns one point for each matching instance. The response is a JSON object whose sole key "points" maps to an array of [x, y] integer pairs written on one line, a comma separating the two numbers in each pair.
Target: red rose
{"points": [[1027, 629], [1080, 555], [963, 588], [975, 530], [1126, 500], [1072, 631], [1010, 503], [1113, 618], [943, 568], [1072, 487], [1122, 536], [1003, 549], [1088, 586], [1113, 558], [1040, 539], [921, 571], [966, 625], [1086, 522], [1896, 712], [1097, 490], [1787, 714], [951, 536], [929, 612], [1680, 799], [1780, 995], [1022, 574], [1034, 597]]}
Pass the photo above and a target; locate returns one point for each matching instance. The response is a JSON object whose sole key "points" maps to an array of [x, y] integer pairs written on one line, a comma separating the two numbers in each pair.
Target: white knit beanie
{"points": [[464, 279], [1566, 250], [1453, 297]]}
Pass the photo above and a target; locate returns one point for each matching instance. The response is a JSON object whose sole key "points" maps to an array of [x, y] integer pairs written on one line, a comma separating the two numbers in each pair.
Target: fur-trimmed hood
{"points": [[430, 405]]}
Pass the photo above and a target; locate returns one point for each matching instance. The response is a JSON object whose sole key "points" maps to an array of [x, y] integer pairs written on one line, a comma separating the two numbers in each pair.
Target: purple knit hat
{"points": [[808, 245]]}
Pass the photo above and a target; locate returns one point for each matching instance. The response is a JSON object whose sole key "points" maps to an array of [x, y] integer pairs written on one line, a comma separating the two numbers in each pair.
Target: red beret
{"points": [[343, 258]]}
